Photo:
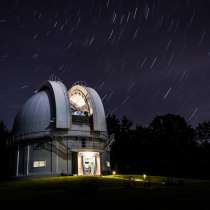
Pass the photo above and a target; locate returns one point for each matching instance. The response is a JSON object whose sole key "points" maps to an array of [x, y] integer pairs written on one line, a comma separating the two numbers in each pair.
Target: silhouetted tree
{"points": [[203, 151], [113, 125], [124, 145], [203, 132], [173, 143], [166, 147], [3, 150], [172, 130], [125, 124]]}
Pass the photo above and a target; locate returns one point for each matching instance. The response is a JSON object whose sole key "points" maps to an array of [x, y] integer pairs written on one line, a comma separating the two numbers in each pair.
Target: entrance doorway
{"points": [[88, 163]]}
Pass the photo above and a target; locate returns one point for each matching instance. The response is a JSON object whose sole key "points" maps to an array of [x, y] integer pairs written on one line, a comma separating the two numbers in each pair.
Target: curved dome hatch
{"points": [[79, 101], [60, 103], [85, 101]]}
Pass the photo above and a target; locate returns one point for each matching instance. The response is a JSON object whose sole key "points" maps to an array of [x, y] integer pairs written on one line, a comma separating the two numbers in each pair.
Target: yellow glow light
{"points": [[78, 100]]}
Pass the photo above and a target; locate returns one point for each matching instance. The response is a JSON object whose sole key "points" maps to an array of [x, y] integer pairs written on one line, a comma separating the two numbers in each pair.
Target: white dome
{"points": [[49, 111], [34, 116]]}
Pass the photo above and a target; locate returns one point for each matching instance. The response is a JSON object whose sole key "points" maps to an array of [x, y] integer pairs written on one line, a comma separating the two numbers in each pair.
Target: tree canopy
{"points": [[169, 145]]}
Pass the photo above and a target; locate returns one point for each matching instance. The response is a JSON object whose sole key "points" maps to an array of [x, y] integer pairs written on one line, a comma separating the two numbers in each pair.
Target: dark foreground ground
{"points": [[109, 191]]}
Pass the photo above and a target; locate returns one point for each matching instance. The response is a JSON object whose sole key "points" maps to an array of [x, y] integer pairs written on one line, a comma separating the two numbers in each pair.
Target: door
{"points": [[89, 163]]}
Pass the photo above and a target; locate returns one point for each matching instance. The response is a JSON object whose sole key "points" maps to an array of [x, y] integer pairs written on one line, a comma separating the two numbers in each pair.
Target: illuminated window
{"points": [[107, 163], [39, 164]]}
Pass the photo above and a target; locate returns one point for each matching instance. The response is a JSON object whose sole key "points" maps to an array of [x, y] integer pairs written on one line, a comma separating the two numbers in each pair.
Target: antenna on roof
{"points": [[53, 77], [82, 83]]}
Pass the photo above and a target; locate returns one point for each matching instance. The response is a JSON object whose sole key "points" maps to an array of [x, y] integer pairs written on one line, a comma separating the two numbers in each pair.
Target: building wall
{"points": [[40, 152], [57, 156], [22, 160], [62, 158]]}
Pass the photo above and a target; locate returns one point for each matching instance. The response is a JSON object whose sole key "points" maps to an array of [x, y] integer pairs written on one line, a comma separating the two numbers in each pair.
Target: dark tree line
{"points": [[168, 146], [4, 159]]}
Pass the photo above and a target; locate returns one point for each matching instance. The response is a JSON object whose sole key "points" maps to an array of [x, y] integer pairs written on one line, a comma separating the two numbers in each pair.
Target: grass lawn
{"points": [[174, 194]]}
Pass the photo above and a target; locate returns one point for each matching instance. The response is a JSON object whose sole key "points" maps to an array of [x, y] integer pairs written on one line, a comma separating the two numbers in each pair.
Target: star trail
{"points": [[145, 58]]}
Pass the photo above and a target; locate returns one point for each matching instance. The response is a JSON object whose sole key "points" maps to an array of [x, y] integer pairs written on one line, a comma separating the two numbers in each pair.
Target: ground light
{"points": [[113, 172], [144, 176]]}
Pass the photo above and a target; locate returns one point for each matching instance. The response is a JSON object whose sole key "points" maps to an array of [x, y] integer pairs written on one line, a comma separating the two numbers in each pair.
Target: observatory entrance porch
{"points": [[89, 163]]}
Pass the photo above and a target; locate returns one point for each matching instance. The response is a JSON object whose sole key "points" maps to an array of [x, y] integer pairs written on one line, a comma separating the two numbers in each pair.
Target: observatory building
{"points": [[59, 131]]}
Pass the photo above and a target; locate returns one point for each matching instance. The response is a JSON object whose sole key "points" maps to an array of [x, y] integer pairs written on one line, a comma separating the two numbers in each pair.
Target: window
{"points": [[39, 164], [108, 164]]}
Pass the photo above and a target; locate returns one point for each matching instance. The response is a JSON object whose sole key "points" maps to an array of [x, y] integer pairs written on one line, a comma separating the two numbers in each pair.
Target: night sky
{"points": [[145, 58]]}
